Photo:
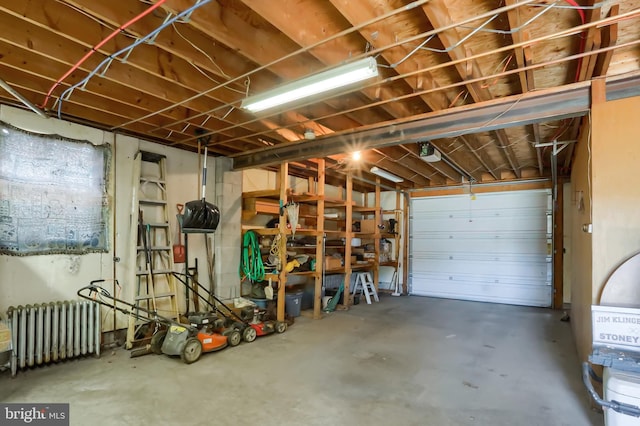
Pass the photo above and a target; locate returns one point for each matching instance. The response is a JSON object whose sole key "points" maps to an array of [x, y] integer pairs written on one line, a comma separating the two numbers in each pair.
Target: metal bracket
{"points": [[185, 19], [555, 145]]}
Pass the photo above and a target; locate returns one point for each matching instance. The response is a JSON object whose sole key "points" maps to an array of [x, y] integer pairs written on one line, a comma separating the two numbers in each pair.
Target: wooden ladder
{"points": [[155, 286]]}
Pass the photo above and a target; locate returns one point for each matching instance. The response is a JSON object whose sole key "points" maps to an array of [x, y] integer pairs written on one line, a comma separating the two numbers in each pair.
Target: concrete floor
{"points": [[404, 361]]}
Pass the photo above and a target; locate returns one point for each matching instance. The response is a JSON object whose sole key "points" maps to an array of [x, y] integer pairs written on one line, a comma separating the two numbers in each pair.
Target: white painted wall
{"points": [[37, 279]]}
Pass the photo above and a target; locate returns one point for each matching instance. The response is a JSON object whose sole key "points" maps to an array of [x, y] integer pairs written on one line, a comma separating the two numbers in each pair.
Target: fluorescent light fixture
{"points": [[385, 174], [318, 83]]}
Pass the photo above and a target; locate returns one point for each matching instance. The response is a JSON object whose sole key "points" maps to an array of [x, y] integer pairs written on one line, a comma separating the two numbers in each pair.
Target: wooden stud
{"points": [[609, 38], [598, 91], [398, 239], [558, 245], [317, 298], [348, 236], [378, 221], [405, 246], [282, 181]]}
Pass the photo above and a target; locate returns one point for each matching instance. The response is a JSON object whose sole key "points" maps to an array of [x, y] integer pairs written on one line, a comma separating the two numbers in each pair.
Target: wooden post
{"points": [[558, 247], [398, 238], [348, 235], [378, 239], [317, 298], [283, 177], [405, 255]]}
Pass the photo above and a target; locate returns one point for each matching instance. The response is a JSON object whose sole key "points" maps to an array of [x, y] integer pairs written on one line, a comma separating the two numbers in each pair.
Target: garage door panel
{"points": [[527, 222], [493, 248], [531, 269], [477, 244], [509, 293], [484, 279]]}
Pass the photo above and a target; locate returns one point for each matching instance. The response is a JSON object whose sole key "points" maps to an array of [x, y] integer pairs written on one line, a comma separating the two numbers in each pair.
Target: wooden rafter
{"points": [[438, 14]]}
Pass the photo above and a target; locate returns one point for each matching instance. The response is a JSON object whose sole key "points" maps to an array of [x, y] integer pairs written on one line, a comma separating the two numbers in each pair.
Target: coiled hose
{"points": [[251, 265]]}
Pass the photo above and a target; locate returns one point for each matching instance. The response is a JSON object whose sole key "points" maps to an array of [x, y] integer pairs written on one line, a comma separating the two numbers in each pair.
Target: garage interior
{"points": [[433, 228]]}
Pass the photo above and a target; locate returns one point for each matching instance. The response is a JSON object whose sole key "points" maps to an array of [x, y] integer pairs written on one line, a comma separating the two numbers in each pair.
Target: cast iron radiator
{"points": [[51, 332]]}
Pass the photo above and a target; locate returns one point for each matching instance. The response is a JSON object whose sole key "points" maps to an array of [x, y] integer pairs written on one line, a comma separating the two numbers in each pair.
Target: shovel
{"points": [[179, 251], [199, 215]]}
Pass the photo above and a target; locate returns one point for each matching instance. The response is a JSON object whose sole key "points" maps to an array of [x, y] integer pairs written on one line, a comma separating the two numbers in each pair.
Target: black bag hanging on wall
{"points": [[199, 214]]}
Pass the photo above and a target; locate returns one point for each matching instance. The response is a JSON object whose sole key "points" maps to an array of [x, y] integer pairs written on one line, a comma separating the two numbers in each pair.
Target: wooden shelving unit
{"points": [[339, 227]]}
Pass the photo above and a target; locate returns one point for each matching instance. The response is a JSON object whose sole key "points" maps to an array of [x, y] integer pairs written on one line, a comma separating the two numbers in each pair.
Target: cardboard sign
{"points": [[615, 327]]}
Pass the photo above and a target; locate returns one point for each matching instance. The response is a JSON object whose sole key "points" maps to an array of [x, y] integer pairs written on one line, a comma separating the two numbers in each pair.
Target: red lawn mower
{"points": [[250, 323], [169, 336]]}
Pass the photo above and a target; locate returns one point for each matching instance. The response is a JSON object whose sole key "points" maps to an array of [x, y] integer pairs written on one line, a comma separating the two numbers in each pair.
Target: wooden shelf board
{"points": [[389, 236], [310, 273], [261, 231], [303, 198], [364, 209], [360, 266], [268, 193], [363, 235]]}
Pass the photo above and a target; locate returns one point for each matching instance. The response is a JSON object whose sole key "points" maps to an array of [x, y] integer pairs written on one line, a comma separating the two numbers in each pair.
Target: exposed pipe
{"points": [[98, 46], [22, 99]]}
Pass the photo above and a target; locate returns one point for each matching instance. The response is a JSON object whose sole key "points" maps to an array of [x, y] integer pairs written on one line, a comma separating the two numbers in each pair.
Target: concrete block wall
{"points": [[228, 238]]}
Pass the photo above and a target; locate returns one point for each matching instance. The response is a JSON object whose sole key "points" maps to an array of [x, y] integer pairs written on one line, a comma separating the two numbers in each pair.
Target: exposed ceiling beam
{"points": [[382, 34], [572, 100], [524, 57], [438, 15]]}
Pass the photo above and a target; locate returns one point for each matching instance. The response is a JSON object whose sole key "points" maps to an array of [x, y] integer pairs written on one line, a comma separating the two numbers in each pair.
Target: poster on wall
{"points": [[53, 194]]}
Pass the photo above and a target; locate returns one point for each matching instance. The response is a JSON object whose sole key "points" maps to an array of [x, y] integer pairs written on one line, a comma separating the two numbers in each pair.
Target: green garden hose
{"points": [[251, 265]]}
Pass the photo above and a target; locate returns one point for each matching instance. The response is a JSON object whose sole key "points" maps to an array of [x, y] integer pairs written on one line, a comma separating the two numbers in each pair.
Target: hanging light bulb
{"points": [[356, 155]]}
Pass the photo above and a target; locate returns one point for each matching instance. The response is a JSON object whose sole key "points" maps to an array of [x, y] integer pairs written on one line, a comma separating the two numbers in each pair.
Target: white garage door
{"points": [[487, 247]]}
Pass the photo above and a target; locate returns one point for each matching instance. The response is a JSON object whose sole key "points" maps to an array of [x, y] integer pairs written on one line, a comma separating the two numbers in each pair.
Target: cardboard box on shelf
{"points": [[368, 226], [331, 225], [331, 262]]}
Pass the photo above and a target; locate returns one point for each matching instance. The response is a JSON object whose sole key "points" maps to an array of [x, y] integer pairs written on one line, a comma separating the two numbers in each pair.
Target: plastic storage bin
{"points": [[621, 386], [293, 303]]}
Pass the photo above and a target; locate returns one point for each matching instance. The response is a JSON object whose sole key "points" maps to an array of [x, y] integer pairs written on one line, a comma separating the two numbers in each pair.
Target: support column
{"points": [[228, 236]]}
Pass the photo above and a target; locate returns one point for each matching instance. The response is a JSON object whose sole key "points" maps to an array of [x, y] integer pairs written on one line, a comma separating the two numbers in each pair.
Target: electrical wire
{"points": [[105, 63], [377, 50], [98, 46], [563, 33], [335, 36], [224, 74]]}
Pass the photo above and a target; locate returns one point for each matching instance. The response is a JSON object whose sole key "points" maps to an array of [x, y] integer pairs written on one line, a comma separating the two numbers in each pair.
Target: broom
{"points": [[199, 215]]}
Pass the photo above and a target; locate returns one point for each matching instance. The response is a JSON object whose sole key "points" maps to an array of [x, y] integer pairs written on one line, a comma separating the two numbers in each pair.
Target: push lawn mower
{"points": [[170, 337], [251, 322]]}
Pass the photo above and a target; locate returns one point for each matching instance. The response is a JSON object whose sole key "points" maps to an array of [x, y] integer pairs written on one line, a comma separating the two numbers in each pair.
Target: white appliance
{"points": [[621, 386]]}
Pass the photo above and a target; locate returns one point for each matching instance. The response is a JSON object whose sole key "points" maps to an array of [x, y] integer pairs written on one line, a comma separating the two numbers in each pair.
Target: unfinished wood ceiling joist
{"points": [[488, 83]]}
